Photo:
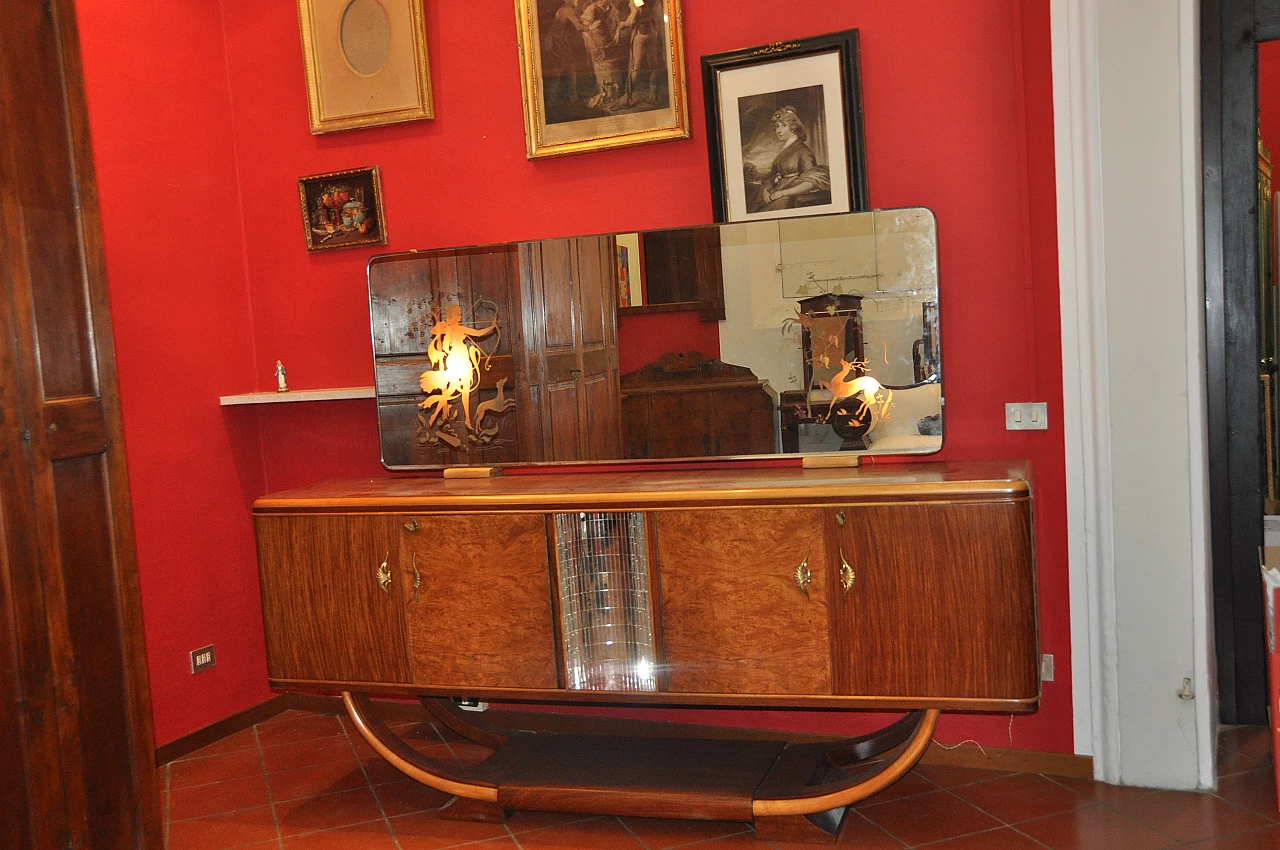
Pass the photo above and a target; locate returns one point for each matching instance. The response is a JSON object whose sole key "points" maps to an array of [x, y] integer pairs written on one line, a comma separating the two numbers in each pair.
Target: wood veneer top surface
{"points": [[621, 490]]}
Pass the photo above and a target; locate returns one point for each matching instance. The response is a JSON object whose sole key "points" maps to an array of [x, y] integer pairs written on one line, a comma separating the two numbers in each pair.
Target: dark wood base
{"points": [[475, 811], [821, 828], [792, 792]]}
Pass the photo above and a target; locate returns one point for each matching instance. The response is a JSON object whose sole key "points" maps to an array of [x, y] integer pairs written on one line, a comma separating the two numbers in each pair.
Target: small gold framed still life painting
{"points": [[784, 129], [365, 61], [342, 209], [600, 74]]}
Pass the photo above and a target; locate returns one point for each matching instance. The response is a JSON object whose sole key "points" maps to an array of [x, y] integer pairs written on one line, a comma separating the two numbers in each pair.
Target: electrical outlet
{"points": [[1046, 668], [202, 659], [1026, 416]]}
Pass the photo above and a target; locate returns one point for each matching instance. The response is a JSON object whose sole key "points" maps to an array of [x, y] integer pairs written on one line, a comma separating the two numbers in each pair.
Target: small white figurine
{"points": [[281, 386]]}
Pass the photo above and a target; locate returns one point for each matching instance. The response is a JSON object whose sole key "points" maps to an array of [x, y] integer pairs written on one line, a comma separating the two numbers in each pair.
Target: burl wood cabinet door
{"points": [[332, 611], [941, 601], [481, 614], [734, 619]]}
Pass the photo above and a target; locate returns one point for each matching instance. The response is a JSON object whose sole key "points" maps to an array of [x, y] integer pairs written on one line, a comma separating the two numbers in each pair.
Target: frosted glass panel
{"points": [[604, 602]]}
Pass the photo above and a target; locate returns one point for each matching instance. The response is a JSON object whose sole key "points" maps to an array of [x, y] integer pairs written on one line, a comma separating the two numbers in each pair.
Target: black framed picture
{"points": [[784, 129]]}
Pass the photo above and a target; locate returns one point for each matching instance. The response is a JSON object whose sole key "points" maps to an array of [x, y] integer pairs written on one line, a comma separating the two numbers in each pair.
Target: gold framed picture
{"points": [[600, 74], [342, 209], [366, 62]]}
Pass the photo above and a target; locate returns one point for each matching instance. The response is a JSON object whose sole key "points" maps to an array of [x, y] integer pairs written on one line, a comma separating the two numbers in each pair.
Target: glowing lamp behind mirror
{"points": [[814, 335]]}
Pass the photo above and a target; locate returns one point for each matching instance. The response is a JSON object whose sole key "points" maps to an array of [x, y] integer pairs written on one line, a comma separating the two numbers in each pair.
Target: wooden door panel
{"points": [[62, 315], [565, 429], [82, 497], [597, 279], [331, 619], [733, 618], [603, 433], [556, 284], [741, 422], [482, 616], [15, 825], [679, 425], [942, 604], [71, 606]]}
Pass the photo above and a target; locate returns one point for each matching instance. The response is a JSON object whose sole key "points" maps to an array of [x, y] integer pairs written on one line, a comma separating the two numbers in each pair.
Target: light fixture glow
{"points": [[452, 380]]}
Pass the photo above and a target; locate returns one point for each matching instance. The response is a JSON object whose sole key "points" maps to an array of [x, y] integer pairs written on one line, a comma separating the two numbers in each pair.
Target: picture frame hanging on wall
{"points": [[784, 129], [600, 74], [342, 209], [366, 63]]}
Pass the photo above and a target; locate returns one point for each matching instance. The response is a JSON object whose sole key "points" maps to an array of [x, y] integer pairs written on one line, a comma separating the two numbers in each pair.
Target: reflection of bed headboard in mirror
{"points": [[828, 342]]}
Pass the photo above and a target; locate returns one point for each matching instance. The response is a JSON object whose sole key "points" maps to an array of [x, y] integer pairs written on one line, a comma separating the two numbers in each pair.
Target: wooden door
{"points": [[480, 616], [570, 293], [335, 613], [734, 619], [941, 604], [76, 751]]}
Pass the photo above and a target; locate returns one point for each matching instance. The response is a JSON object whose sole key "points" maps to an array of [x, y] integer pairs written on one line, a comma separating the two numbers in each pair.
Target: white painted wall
{"points": [[1127, 124]]}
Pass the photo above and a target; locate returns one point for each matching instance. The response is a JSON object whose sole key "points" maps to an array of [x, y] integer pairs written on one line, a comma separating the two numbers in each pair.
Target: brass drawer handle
{"points": [[847, 576], [384, 574], [841, 519], [417, 577], [803, 576], [411, 526]]}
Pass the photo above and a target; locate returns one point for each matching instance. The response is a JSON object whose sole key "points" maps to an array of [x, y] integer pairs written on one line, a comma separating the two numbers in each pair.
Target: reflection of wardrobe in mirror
{"points": [[569, 290], [682, 271], [555, 352]]}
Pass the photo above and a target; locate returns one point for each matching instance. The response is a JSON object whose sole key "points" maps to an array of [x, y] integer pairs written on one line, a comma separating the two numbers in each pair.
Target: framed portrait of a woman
{"points": [[784, 129], [600, 74]]}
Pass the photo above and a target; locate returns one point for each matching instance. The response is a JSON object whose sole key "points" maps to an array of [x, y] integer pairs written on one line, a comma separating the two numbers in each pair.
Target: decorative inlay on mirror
{"points": [[827, 336]]}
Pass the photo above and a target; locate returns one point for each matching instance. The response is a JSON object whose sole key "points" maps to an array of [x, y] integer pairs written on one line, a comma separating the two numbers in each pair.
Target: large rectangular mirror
{"points": [[825, 341]]}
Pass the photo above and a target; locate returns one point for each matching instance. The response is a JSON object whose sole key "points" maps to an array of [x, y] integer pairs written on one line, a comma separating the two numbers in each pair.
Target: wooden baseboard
{"points": [[1020, 761], [966, 755], [214, 732]]}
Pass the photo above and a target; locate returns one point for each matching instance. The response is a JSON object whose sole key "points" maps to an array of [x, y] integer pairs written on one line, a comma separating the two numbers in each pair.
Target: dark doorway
{"points": [[1230, 32]]}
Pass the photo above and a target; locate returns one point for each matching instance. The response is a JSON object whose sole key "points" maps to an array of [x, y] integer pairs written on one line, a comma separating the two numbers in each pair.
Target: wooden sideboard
{"points": [[685, 404], [893, 586]]}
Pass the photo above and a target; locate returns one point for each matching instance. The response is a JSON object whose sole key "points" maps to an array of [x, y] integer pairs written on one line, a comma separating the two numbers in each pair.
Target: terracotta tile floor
{"points": [[309, 782]]}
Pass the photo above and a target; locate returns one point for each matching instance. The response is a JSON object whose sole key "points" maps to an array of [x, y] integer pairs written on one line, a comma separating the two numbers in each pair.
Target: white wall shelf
{"points": [[297, 395]]}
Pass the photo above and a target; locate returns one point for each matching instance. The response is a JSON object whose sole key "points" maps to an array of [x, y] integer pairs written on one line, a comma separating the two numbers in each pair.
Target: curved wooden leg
{"points": [[813, 799], [409, 761], [869, 746], [445, 712]]}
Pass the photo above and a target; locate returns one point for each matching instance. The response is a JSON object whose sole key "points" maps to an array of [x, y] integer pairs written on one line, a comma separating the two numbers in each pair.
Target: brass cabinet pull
{"points": [[384, 574], [803, 576], [417, 577], [411, 526], [847, 576], [841, 519]]}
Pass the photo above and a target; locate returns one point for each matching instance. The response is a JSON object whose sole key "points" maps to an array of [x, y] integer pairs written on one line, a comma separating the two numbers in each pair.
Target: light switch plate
{"points": [[202, 659], [1026, 416], [1046, 668]]}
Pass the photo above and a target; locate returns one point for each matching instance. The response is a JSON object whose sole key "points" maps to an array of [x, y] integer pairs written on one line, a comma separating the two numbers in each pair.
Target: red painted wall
{"points": [[161, 118], [212, 135], [1269, 100]]}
